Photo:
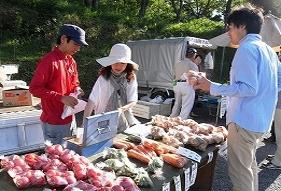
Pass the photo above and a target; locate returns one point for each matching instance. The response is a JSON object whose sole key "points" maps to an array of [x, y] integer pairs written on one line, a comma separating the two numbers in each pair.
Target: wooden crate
{"points": [[147, 110]]}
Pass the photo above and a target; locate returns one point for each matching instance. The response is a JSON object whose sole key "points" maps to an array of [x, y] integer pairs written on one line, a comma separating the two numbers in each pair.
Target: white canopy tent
{"points": [[270, 32]]}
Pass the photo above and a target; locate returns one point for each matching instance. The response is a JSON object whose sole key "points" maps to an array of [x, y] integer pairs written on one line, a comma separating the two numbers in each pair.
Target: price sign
{"points": [[223, 150], [210, 157], [187, 179], [177, 181], [193, 173], [223, 106], [166, 186], [189, 154]]}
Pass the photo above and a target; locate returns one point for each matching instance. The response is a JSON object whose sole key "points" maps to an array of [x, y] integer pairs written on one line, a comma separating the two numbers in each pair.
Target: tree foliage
{"points": [[29, 27], [203, 28]]}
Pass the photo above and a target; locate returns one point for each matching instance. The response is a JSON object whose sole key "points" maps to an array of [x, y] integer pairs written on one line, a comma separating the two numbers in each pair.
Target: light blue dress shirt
{"points": [[253, 88]]}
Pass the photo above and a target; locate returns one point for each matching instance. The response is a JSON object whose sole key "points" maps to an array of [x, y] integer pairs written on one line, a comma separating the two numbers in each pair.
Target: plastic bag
{"points": [[80, 185], [209, 61], [68, 111]]}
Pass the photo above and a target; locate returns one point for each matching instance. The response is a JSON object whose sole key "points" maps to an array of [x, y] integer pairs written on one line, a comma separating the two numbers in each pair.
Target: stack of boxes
{"points": [[13, 92]]}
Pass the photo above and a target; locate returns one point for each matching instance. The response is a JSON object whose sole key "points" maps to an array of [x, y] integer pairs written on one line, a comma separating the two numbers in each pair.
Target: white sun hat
{"points": [[118, 53]]}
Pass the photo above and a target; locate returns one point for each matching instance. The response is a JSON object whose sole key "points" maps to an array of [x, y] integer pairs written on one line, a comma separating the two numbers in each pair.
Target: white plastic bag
{"points": [[68, 111], [209, 62]]}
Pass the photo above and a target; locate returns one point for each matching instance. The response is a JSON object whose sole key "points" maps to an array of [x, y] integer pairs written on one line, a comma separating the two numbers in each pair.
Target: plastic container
{"points": [[20, 132]]}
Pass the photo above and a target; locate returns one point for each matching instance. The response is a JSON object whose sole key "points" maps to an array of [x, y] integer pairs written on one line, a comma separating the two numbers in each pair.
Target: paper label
{"points": [[189, 154], [193, 173], [223, 105], [187, 179], [166, 186], [223, 150], [177, 181], [210, 157]]}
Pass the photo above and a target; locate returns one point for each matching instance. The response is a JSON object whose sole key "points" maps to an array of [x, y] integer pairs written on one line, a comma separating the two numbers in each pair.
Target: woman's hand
{"points": [[128, 106]]}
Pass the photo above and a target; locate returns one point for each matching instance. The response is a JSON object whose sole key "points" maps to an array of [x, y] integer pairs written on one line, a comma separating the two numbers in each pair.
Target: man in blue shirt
{"points": [[252, 94]]}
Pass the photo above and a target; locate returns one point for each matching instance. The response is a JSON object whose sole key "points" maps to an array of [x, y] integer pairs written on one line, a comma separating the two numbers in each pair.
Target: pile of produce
{"points": [[151, 152], [177, 132], [60, 168], [117, 160]]}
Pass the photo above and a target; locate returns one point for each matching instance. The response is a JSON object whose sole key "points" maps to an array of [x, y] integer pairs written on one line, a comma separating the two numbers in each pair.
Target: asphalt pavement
{"points": [[269, 180]]}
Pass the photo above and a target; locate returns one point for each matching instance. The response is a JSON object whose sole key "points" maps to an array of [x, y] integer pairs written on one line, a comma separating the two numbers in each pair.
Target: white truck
{"points": [[156, 59]]}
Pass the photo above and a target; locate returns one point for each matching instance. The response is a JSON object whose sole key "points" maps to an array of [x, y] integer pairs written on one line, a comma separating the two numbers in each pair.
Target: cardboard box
{"points": [[99, 131], [16, 96], [9, 83]]}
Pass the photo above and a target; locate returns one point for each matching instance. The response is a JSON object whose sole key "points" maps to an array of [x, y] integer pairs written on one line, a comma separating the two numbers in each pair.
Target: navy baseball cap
{"points": [[74, 32], [191, 51]]}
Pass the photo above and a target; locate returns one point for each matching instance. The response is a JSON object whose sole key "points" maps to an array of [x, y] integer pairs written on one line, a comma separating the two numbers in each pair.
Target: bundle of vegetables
{"points": [[141, 153], [105, 179], [121, 165], [35, 161], [56, 178], [54, 151], [124, 184], [180, 132], [158, 147], [14, 161], [60, 166], [142, 178], [21, 172], [80, 186], [54, 164], [112, 153], [29, 178], [118, 161], [122, 144], [120, 184], [174, 159]]}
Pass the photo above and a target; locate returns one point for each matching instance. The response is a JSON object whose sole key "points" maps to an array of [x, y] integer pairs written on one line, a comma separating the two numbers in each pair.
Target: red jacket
{"points": [[55, 76]]}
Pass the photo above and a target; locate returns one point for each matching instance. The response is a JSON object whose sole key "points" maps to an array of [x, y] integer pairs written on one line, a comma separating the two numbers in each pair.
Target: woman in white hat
{"points": [[116, 87]]}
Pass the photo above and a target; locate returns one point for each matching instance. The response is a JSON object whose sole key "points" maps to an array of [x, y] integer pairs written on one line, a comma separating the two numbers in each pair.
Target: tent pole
{"points": [[222, 59]]}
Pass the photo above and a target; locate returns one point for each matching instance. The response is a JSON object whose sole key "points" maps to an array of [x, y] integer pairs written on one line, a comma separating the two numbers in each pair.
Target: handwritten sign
{"points": [[193, 173], [166, 186], [189, 154], [177, 181], [187, 179], [210, 157]]}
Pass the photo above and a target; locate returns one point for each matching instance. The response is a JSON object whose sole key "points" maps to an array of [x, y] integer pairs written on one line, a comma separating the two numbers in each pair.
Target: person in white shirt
{"points": [[116, 86], [184, 93]]}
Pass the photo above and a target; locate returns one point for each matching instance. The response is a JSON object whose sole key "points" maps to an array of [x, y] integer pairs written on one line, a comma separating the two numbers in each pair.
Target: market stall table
{"points": [[203, 182]]}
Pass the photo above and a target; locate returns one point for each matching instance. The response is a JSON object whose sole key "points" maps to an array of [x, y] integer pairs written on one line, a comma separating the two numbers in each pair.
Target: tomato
{"points": [[58, 149], [19, 162], [117, 188], [71, 179], [21, 182]]}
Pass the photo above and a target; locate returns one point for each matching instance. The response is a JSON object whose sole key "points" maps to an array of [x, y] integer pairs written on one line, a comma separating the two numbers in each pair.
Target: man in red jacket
{"points": [[55, 78]]}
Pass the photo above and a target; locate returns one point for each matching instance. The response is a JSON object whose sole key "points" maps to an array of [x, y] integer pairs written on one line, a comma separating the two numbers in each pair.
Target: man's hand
{"points": [[69, 101], [203, 84]]}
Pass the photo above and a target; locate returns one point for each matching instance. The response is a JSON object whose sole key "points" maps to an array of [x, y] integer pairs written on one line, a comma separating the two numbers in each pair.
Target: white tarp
{"points": [[270, 32], [156, 58]]}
